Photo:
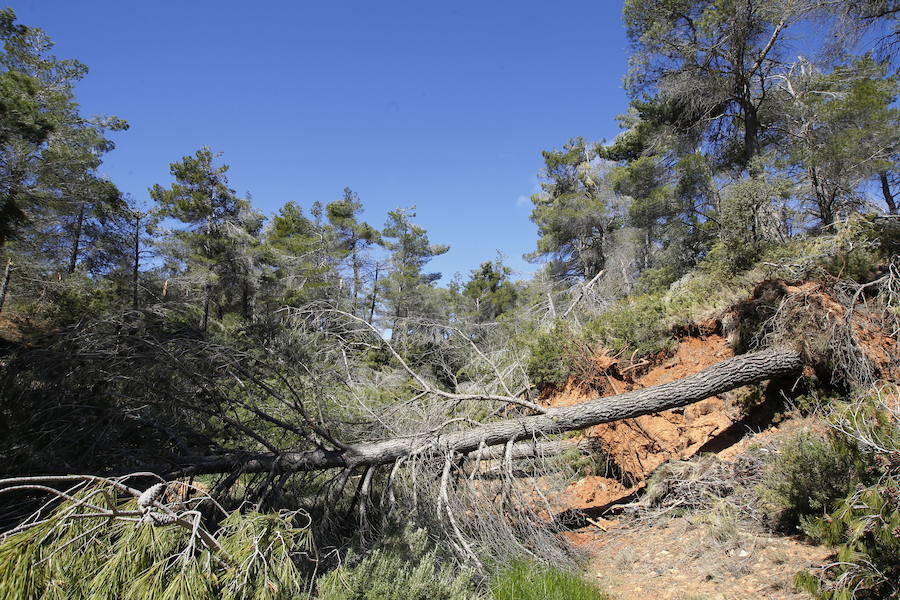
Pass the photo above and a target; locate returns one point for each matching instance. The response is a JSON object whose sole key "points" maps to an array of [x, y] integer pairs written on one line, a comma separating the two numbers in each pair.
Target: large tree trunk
{"points": [[719, 378], [752, 128]]}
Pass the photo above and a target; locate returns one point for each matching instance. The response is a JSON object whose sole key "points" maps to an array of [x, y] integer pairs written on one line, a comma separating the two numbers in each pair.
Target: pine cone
{"points": [[149, 496], [159, 519]]}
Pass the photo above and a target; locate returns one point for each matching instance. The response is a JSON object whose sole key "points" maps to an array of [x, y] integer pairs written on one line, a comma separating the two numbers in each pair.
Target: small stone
{"points": [[743, 554]]}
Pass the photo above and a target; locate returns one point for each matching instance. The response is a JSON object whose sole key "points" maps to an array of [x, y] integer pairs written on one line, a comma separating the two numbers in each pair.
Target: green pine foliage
{"points": [[636, 324], [553, 357], [574, 212], [842, 490], [811, 472], [865, 529], [100, 558], [490, 291]]}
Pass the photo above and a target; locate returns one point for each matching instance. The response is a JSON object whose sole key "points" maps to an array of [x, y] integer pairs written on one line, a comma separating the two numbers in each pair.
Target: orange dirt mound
{"points": [[637, 446]]}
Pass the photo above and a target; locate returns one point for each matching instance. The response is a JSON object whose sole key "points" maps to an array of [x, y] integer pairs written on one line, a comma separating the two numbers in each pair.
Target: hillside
{"points": [[669, 510]]}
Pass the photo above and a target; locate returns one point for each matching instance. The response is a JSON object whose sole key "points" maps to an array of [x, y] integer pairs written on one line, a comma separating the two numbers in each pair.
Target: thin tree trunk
{"points": [[886, 192], [207, 285], [5, 286], [717, 379], [823, 206], [79, 224], [374, 296], [136, 264], [357, 283]]}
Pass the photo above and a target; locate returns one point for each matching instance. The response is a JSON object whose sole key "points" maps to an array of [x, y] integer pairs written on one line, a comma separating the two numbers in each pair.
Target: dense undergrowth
{"points": [[842, 490], [648, 321]]}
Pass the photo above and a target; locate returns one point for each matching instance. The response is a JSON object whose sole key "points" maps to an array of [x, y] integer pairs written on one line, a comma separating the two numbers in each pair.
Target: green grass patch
{"points": [[523, 580]]}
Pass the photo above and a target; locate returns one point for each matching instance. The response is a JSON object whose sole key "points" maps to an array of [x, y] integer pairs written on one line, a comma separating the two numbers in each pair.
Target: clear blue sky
{"points": [[445, 106]]}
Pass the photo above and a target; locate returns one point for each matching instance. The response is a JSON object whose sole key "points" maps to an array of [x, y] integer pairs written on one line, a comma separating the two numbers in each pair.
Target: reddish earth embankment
{"points": [[698, 556], [637, 446]]}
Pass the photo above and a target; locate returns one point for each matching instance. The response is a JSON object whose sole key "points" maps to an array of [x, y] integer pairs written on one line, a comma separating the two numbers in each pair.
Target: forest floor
{"points": [[694, 555], [686, 559]]}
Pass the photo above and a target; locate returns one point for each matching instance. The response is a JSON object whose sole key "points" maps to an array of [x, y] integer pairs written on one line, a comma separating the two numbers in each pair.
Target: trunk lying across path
{"points": [[717, 379]]}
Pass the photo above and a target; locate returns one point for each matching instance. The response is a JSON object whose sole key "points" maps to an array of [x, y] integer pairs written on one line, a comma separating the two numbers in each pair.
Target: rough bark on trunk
{"points": [[751, 137], [4, 285], [886, 192], [76, 242], [719, 378]]}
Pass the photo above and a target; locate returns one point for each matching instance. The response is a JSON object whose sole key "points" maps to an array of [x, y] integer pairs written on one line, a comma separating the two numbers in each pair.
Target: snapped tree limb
{"points": [[717, 379]]}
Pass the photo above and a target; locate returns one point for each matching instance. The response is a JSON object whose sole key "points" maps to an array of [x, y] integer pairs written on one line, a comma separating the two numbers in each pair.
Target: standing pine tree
{"points": [[407, 286], [351, 238], [213, 247]]}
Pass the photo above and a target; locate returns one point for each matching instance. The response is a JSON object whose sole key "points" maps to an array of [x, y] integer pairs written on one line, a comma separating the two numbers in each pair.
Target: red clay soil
{"points": [[637, 446], [872, 332], [681, 558]]}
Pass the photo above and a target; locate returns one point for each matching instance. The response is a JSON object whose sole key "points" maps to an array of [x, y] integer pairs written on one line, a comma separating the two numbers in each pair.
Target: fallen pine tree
{"points": [[513, 521], [717, 379]]}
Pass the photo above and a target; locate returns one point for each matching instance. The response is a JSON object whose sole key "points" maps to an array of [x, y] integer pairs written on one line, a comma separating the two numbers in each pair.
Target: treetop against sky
{"points": [[441, 106]]}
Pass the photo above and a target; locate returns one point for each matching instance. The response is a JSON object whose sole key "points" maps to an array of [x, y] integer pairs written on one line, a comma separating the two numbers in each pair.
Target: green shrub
{"points": [[584, 463], [553, 357], [403, 568], [856, 249], [636, 324], [864, 525], [656, 280], [808, 475], [865, 528], [523, 580]]}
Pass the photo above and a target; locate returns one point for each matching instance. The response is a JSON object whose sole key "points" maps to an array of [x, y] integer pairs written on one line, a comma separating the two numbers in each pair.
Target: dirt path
{"points": [[687, 559]]}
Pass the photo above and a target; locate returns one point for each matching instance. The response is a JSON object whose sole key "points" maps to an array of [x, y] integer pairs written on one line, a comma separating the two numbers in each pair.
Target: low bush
{"points": [[809, 473], [404, 567], [523, 580], [585, 463], [865, 529], [554, 356], [637, 325], [864, 525]]}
